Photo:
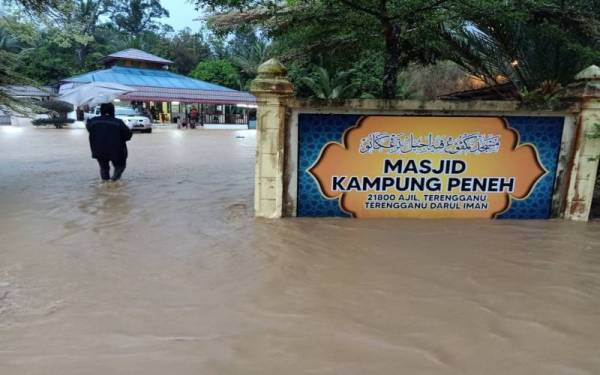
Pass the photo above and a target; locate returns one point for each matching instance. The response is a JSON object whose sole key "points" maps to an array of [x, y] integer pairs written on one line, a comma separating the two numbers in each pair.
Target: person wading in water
{"points": [[107, 141]]}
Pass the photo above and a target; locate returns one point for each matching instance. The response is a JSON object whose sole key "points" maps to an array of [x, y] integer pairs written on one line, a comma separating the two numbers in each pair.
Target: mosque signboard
{"points": [[427, 167]]}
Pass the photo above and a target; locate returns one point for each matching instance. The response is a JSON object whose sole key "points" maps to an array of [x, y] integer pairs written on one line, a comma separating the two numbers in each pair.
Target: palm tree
{"points": [[538, 52], [326, 86], [249, 58]]}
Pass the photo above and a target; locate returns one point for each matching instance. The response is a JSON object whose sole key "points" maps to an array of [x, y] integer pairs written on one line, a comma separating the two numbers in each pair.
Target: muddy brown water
{"points": [[168, 273]]}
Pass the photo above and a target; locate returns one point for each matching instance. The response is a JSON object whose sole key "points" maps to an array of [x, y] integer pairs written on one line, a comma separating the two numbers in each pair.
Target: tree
{"points": [[249, 57], [528, 44], [402, 25], [185, 49], [328, 86], [14, 40], [38, 6], [407, 30], [136, 16], [87, 13], [39, 54], [57, 111], [218, 71], [247, 48]]}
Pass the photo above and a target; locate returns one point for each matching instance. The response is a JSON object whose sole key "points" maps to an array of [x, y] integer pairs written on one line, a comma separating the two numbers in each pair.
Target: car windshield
{"points": [[123, 111]]}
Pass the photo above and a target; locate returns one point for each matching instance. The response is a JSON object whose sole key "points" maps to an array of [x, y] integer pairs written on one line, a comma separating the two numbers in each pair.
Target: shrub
{"points": [[57, 110], [57, 106], [56, 121]]}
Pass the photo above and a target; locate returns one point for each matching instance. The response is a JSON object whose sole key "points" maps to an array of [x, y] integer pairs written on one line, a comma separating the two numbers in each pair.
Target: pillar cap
{"points": [[272, 67], [271, 80], [591, 73], [586, 85]]}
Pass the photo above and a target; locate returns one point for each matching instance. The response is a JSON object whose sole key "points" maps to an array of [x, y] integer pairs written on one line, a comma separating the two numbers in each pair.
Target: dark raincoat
{"points": [[107, 139]]}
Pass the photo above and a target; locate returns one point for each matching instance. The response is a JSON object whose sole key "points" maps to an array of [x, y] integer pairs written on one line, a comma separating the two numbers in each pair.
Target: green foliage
{"points": [[394, 48], [328, 86], [217, 71], [184, 48], [339, 31], [8, 77], [58, 122], [57, 111], [12, 48], [549, 39], [368, 74], [249, 56], [65, 38], [57, 106], [137, 16], [526, 43]]}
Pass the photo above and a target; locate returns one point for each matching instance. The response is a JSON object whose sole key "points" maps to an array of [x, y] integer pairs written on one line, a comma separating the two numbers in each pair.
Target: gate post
{"points": [[587, 144], [272, 89]]}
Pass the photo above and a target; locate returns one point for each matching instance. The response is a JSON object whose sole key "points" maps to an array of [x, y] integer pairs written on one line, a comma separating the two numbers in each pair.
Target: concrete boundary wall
{"points": [[277, 138], [418, 108]]}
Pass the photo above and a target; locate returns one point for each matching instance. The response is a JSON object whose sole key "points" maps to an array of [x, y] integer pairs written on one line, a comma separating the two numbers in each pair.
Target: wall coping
{"points": [[375, 105]]}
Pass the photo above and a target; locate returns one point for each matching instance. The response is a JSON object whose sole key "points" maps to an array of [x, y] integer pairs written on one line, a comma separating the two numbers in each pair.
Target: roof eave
{"points": [[106, 59]]}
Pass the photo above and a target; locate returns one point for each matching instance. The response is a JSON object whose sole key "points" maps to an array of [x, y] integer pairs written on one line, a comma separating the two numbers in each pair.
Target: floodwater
{"points": [[167, 272]]}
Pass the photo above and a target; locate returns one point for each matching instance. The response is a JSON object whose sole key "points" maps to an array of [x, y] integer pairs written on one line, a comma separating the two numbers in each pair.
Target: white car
{"points": [[133, 119]]}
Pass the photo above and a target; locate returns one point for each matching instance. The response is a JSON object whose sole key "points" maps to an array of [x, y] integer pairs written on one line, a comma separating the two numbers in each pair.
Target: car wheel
{"points": [[149, 130]]}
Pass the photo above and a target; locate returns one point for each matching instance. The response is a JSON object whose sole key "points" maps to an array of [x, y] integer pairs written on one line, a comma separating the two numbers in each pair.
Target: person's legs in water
{"points": [[104, 169], [119, 168]]}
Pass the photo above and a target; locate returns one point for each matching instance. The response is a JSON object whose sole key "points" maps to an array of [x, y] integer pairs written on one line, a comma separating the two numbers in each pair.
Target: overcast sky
{"points": [[182, 14]]}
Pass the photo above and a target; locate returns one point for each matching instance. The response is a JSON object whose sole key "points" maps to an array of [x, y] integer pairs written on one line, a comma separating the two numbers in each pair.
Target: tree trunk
{"points": [[392, 59]]}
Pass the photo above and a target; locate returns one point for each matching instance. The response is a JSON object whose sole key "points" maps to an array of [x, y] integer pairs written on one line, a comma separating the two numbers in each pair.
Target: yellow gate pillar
{"points": [[272, 89], [587, 144]]}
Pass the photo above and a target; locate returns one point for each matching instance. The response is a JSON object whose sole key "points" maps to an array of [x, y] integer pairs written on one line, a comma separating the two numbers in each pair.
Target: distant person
{"points": [[193, 117], [148, 114], [107, 141]]}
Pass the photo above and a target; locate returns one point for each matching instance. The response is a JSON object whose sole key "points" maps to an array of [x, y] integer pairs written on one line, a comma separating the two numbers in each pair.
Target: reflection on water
{"points": [[167, 272]]}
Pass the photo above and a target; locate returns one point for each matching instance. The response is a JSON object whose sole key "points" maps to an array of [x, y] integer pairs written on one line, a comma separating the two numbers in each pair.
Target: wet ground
{"points": [[168, 273]]}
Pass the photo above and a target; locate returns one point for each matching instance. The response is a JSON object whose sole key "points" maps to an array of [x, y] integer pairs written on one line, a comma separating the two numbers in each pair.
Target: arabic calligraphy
{"points": [[404, 143]]}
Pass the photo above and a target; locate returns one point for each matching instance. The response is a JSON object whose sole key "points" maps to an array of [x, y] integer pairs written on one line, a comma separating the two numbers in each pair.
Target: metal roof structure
{"points": [[135, 55], [163, 85]]}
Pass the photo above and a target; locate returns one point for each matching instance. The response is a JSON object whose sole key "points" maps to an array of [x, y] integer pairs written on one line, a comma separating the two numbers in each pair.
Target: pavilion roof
{"points": [[163, 85], [136, 55]]}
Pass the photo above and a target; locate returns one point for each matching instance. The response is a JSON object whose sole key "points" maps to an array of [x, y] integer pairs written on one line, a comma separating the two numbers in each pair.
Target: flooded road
{"points": [[167, 272]]}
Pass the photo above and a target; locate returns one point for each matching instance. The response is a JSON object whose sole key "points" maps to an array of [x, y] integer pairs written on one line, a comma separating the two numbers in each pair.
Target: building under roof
{"points": [[167, 94], [163, 85], [149, 74]]}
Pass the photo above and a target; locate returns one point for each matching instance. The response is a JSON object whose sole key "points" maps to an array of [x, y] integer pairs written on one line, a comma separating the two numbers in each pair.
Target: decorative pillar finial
{"points": [[271, 79]]}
